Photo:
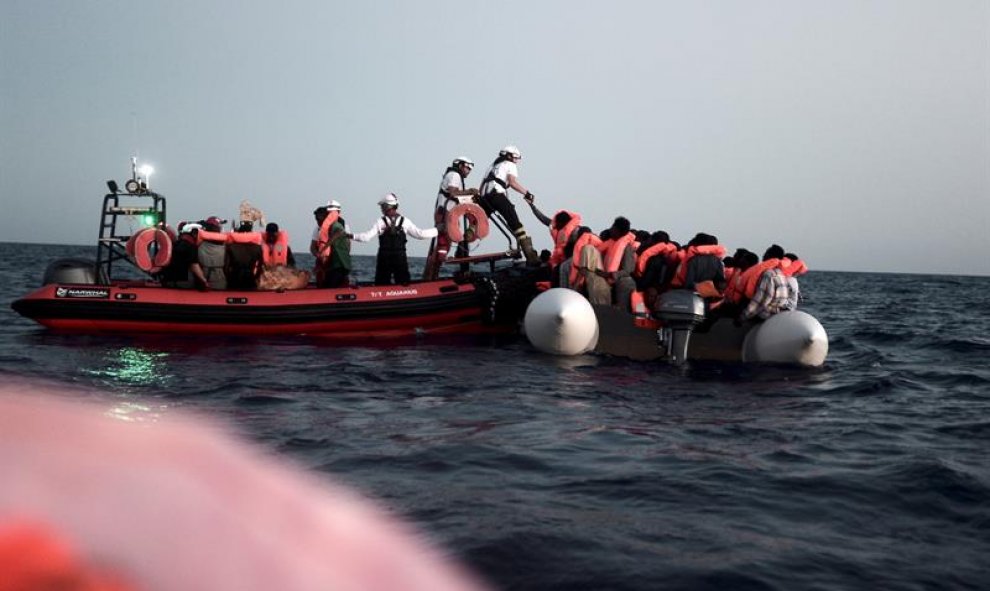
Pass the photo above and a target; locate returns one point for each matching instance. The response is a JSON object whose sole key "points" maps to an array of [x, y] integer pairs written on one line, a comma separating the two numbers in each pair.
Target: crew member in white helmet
{"points": [[392, 230], [502, 175], [453, 191]]}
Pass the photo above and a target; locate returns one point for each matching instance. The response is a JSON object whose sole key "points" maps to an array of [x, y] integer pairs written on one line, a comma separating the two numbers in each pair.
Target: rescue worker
{"points": [[453, 191], [338, 265], [183, 269], [211, 254], [392, 229], [501, 176]]}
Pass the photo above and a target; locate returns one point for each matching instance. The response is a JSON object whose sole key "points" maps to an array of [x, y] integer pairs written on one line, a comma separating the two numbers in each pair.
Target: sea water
{"points": [[538, 472]]}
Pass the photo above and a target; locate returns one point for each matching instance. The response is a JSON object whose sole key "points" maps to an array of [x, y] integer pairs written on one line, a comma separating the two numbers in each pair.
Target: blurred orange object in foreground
{"points": [[176, 504]]}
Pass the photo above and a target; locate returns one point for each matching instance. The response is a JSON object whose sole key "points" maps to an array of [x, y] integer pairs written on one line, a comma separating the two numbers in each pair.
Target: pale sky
{"points": [[854, 133]]}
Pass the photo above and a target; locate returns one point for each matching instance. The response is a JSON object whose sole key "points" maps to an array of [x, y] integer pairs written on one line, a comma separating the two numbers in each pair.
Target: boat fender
{"points": [[150, 249], [792, 338], [475, 217], [561, 321]]}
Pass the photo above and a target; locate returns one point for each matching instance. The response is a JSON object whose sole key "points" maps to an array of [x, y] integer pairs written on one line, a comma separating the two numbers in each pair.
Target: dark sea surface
{"points": [[591, 472]]}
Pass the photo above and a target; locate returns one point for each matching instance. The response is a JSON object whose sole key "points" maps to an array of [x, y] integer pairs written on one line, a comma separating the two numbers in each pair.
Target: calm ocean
{"points": [[599, 473]]}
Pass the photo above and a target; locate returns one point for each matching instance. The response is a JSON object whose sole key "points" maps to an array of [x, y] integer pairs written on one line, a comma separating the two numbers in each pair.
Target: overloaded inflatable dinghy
{"points": [[563, 322]]}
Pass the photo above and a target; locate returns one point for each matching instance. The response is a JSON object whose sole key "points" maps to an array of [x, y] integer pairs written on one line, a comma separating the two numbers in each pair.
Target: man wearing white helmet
{"points": [[501, 176], [453, 190], [392, 230], [331, 247]]}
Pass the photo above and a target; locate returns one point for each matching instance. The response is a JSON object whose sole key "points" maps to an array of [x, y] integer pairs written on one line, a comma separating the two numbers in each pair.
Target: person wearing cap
{"points": [[392, 230], [333, 269], [211, 254], [501, 176], [184, 270]]}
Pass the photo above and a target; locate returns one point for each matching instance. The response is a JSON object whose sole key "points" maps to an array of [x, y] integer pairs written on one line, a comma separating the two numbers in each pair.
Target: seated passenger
{"points": [[772, 296], [184, 270], [618, 263], [243, 258], [792, 271], [211, 254], [702, 269], [275, 248], [654, 267]]}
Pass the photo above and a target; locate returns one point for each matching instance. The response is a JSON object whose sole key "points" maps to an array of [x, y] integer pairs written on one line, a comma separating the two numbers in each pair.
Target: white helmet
{"points": [[390, 200], [511, 151], [463, 160], [333, 205]]}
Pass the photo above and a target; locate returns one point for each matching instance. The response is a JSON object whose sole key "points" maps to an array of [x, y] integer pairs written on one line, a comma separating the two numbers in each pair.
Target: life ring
{"points": [[139, 248], [476, 219]]}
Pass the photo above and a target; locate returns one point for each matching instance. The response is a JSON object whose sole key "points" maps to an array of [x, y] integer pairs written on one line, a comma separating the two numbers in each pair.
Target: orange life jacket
{"points": [[277, 253], [664, 249], [561, 236], [575, 279], [751, 277], [692, 251], [795, 269], [323, 246], [245, 238], [613, 250], [207, 236]]}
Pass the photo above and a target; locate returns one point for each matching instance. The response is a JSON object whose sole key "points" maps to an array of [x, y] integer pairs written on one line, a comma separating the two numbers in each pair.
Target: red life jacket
{"points": [[575, 279], [751, 277], [613, 250], [324, 248], [664, 249], [561, 236], [277, 253], [692, 251]]}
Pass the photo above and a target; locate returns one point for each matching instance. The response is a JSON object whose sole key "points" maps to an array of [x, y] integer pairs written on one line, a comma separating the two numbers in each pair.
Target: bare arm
{"points": [[515, 184]]}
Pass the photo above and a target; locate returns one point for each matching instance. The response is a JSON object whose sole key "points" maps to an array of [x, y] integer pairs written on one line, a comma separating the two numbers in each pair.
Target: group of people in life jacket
{"points": [[205, 257], [619, 266]]}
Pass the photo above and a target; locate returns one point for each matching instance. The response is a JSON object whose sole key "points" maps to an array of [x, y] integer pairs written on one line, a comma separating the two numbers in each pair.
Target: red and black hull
{"points": [[368, 311]]}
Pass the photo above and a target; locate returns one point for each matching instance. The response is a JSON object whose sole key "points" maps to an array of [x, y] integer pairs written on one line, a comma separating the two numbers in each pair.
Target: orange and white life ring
{"points": [[150, 249], [476, 219]]}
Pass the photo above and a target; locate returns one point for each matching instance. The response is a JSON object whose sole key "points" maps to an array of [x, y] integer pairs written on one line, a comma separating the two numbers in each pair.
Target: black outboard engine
{"points": [[73, 271], [680, 311]]}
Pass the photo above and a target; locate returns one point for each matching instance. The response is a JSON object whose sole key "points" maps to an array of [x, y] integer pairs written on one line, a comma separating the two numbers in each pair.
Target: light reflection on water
{"points": [[133, 366]]}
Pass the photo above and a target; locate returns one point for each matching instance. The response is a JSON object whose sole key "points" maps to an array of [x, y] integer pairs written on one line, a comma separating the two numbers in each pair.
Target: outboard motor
{"points": [[680, 311], [74, 271]]}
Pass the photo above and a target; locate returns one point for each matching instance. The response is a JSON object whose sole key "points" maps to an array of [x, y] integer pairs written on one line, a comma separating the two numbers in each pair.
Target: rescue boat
{"points": [[83, 296]]}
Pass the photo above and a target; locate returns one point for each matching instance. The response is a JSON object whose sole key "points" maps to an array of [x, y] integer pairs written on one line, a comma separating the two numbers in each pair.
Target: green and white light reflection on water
{"points": [[129, 368]]}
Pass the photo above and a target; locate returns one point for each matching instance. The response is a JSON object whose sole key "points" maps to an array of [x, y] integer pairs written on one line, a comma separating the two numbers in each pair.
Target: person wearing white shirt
{"points": [[391, 230], [501, 176], [453, 191]]}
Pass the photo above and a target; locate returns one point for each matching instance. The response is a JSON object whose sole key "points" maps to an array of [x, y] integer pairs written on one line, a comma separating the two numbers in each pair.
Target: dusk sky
{"points": [[854, 133]]}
